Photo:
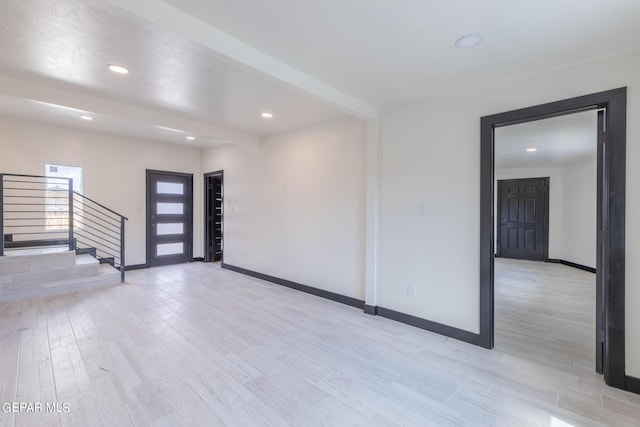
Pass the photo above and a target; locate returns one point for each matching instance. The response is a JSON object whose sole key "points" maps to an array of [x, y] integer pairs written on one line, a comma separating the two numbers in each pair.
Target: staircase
{"points": [[55, 240], [35, 273]]}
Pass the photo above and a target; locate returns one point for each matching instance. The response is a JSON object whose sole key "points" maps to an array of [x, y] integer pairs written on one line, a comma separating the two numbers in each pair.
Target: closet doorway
{"points": [[214, 216]]}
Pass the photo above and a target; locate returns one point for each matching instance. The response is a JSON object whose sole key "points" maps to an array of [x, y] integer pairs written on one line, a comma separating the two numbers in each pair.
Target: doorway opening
{"points": [[544, 312], [610, 260], [214, 216], [169, 217]]}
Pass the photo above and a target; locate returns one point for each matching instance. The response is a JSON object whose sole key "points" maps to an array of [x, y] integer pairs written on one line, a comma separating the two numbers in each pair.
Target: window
{"points": [[56, 194]]}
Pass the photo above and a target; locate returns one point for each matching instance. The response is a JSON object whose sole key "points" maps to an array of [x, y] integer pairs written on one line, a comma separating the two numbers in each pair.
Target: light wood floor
{"points": [[545, 313], [197, 345]]}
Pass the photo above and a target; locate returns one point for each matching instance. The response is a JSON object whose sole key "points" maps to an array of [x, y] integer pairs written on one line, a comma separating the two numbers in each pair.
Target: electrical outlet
{"points": [[411, 291]]}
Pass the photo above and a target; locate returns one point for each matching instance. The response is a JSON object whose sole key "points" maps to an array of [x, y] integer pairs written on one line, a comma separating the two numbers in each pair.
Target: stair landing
{"points": [[33, 273]]}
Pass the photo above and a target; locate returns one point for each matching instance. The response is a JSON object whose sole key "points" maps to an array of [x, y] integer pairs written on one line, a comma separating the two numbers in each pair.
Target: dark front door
{"points": [[169, 217], [523, 205]]}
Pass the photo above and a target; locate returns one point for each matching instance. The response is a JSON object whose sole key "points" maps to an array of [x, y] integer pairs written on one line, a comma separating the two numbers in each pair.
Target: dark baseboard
{"points": [[438, 328], [572, 264], [354, 302], [89, 251], [21, 244], [135, 267], [371, 309], [633, 384], [141, 266], [418, 322]]}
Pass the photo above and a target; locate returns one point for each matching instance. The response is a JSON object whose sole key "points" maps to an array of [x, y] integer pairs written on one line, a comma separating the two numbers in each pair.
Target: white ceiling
{"points": [[67, 45], [559, 141], [391, 52], [209, 68]]}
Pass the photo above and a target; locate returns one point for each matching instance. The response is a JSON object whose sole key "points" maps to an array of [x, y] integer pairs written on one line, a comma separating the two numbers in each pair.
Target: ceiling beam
{"points": [[63, 97], [190, 27]]}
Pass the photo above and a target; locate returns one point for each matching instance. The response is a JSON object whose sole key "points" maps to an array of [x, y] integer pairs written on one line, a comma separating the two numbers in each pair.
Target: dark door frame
{"points": [[545, 232], [207, 204], [189, 213], [614, 173]]}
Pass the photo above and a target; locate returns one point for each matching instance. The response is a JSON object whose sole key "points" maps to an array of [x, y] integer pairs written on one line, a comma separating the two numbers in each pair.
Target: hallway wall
{"points": [[295, 205]]}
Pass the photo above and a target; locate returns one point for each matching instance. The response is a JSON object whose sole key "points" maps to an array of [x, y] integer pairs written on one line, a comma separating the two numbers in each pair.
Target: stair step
{"points": [[83, 266], [107, 276], [28, 260], [35, 251]]}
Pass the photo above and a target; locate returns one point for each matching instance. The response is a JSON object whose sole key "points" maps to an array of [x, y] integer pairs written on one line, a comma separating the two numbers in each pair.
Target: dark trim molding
{"points": [[143, 266], [371, 309], [207, 223], [572, 264], [353, 302], [19, 244], [633, 384], [438, 328], [613, 264], [136, 267]]}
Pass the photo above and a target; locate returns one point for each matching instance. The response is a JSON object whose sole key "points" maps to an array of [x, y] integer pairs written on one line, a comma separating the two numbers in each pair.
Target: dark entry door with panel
{"points": [[523, 205], [169, 217]]}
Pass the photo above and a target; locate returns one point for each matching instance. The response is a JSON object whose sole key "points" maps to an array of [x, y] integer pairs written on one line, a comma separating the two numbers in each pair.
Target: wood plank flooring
{"points": [[545, 313], [196, 345]]}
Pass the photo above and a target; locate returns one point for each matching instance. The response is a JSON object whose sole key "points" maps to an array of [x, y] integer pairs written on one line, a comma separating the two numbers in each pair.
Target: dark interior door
{"points": [[214, 216], [169, 217], [523, 205]]}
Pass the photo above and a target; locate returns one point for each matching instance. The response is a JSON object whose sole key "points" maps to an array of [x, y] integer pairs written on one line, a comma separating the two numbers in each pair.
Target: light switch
{"points": [[411, 291]]}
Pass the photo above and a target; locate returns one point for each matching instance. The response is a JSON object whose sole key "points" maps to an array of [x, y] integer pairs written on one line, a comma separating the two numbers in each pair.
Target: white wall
{"points": [[431, 153], [430, 157], [114, 170], [580, 213], [556, 201], [295, 206]]}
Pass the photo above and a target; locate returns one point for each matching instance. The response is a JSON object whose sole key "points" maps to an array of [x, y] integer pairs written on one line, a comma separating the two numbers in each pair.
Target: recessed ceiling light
{"points": [[191, 138], [118, 69], [469, 40], [87, 118], [531, 150], [62, 107], [169, 129], [267, 115]]}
